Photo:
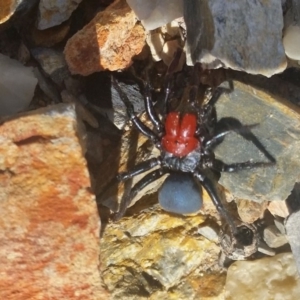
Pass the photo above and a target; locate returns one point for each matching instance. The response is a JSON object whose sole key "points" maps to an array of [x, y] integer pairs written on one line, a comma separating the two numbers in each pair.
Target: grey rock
{"points": [[119, 115], [240, 35], [292, 226], [273, 237], [53, 64], [52, 13], [278, 131]]}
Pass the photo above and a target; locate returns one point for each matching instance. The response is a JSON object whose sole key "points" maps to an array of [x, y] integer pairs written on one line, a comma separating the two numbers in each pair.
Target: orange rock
{"points": [[49, 225], [108, 42]]}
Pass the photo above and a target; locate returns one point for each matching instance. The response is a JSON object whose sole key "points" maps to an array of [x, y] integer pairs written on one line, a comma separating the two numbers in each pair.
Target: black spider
{"points": [[186, 141]]}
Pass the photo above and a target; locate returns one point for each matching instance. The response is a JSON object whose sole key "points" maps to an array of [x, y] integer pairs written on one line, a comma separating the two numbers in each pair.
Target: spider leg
{"points": [[132, 115], [138, 169], [220, 166], [233, 124], [210, 188], [150, 109], [147, 179], [216, 139]]}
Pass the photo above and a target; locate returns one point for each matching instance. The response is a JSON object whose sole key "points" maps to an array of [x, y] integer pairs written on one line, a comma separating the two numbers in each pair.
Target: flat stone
{"points": [[156, 254], [103, 44], [55, 12], [49, 224], [273, 237], [278, 208], [278, 131], [292, 225], [267, 278], [230, 34]]}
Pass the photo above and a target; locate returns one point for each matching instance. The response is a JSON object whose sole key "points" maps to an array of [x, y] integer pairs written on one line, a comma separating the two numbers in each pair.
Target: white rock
{"points": [[268, 279], [291, 42], [156, 13], [17, 84]]}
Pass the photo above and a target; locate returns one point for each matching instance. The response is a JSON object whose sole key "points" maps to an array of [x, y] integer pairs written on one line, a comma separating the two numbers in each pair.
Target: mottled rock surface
{"points": [[108, 42], [53, 13], [49, 224], [159, 256], [240, 35], [268, 278], [278, 131]]}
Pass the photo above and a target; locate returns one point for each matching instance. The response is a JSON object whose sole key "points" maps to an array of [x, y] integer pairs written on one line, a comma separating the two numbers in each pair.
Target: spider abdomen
{"points": [[180, 194], [180, 137]]}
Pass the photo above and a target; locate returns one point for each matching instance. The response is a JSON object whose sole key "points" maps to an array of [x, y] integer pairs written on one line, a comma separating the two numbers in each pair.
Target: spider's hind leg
{"points": [[146, 180]]}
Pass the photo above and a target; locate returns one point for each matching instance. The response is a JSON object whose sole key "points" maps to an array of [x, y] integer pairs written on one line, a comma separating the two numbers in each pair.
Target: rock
{"points": [[230, 34], [154, 14], [278, 208], [291, 42], [48, 37], [8, 8], [209, 233], [250, 211], [49, 225], [278, 131], [17, 85], [265, 249], [273, 237], [267, 278], [292, 225], [103, 44], [159, 255], [55, 12], [53, 64], [119, 113]]}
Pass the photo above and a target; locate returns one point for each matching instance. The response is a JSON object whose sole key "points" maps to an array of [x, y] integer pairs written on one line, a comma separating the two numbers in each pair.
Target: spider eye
{"points": [[180, 194]]}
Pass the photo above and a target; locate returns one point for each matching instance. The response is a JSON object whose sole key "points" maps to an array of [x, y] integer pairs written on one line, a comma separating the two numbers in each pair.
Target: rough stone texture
{"points": [[230, 33], [292, 226], [54, 12], [49, 225], [250, 211], [278, 131], [159, 256], [268, 278], [108, 42]]}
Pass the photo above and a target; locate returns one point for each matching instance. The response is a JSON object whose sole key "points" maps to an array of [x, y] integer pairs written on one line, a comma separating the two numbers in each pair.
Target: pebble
{"points": [[17, 85], [273, 237]]}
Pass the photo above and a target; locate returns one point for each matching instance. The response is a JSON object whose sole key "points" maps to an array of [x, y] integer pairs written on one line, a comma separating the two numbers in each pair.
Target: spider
{"points": [[186, 140]]}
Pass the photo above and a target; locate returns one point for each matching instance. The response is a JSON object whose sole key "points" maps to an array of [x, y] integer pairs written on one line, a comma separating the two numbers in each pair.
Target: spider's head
{"points": [[180, 131], [180, 194]]}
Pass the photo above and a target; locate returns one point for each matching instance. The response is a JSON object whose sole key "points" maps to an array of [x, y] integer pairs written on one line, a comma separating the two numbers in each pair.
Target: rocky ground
{"points": [[65, 136]]}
